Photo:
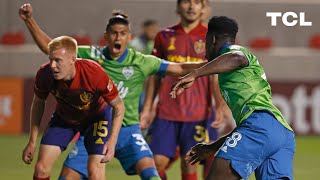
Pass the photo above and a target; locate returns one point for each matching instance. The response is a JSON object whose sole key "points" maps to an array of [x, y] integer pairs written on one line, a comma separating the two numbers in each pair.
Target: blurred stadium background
{"points": [[289, 55]]}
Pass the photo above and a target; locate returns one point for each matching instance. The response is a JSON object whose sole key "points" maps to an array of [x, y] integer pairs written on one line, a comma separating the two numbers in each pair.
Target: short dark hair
{"points": [[222, 25], [179, 1], [149, 22], [118, 17]]}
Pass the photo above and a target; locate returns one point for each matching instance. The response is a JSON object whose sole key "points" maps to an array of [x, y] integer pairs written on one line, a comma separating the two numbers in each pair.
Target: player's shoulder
{"points": [[45, 68], [45, 74], [169, 30], [88, 64], [84, 47], [135, 57], [203, 28], [88, 49], [236, 47]]}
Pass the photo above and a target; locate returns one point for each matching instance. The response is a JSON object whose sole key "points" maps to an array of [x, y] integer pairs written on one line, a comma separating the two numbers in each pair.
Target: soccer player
{"points": [[184, 42], [144, 43], [263, 141], [128, 69], [81, 89]]}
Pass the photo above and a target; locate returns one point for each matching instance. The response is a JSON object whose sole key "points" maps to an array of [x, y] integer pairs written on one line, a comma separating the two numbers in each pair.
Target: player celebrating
{"points": [[80, 107], [262, 141], [128, 69], [184, 42]]}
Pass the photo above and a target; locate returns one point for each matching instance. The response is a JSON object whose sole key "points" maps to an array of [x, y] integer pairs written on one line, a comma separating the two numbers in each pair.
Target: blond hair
{"points": [[66, 42]]}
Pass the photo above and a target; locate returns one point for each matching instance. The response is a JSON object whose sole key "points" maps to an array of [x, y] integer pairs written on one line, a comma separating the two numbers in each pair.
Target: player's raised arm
{"points": [[36, 113], [41, 38], [224, 63]]}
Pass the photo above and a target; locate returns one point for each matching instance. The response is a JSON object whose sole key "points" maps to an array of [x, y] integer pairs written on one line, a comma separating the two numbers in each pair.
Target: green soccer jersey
{"points": [[247, 89], [128, 72]]}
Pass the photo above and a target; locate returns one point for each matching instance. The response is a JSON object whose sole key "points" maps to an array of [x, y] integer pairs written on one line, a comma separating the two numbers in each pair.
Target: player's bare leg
{"points": [[96, 169], [144, 163], [69, 174], [188, 171], [48, 154], [161, 164], [222, 170]]}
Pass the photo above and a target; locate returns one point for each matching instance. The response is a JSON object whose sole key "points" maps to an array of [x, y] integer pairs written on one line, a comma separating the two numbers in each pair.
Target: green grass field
{"points": [[306, 166]]}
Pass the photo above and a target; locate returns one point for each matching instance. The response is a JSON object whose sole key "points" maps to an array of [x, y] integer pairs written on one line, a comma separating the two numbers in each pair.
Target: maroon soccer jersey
{"points": [[175, 45], [81, 98]]}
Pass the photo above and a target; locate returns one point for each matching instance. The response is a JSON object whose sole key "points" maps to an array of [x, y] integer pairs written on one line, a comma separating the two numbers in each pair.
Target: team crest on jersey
{"points": [[171, 45], [128, 72], [199, 46], [86, 97]]}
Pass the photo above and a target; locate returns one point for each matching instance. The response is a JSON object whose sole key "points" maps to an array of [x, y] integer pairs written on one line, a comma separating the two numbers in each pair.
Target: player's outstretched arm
{"points": [[37, 110], [224, 63], [41, 38], [181, 69], [117, 118]]}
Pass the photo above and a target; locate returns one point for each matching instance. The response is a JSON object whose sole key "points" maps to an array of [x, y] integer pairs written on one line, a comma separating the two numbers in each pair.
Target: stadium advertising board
{"points": [[300, 105], [11, 103]]}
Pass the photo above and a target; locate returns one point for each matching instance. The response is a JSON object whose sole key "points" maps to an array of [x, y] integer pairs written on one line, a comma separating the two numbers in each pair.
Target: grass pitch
{"points": [[306, 164]]}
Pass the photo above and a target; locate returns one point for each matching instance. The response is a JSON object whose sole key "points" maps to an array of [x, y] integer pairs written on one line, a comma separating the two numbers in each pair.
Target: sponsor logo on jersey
{"points": [[199, 46], [178, 58], [171, 45], [128, 72], [123, 91]]}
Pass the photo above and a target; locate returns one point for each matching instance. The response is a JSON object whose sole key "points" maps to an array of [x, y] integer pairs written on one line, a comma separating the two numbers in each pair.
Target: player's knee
{"points": [[41, 169], [96, 171], [161, 162], [69, 173], [95, 175], [150, 174]]}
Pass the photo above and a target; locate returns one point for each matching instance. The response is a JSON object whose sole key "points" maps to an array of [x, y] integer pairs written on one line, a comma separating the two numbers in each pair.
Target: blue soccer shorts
{"points": [[260, 144], [130, 148], [96, 133], [166, 135]]}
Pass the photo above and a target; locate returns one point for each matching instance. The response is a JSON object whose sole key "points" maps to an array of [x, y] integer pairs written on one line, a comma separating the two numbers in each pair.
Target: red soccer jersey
{"points": [[175, 45], [85, 96]]}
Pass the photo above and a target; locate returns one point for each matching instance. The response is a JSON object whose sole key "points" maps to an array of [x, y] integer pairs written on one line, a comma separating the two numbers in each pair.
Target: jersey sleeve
{"points": [[242, 49], [106, 87], [43, 83], [84, 52], [153, 65]]}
